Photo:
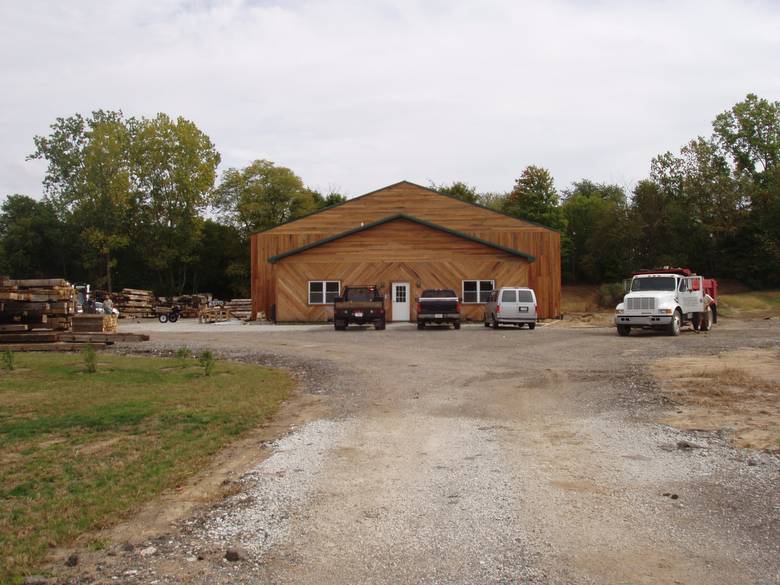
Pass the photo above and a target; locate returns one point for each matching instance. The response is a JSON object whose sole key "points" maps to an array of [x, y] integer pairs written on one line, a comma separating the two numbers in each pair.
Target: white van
{"points": [[511, 305]]}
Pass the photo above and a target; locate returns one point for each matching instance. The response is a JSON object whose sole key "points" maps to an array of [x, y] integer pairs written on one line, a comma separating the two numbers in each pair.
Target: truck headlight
{"points": [[666, 311], [619, 311]]}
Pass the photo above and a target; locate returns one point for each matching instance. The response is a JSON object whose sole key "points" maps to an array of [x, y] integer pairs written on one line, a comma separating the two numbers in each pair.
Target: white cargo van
{"points": [[511, 306]]}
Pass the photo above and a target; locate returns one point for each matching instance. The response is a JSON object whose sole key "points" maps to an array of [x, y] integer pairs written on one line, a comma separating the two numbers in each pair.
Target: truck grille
{"points": [[640, 304]]}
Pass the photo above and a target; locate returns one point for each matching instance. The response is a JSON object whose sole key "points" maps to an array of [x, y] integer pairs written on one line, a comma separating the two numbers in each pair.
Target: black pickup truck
{"points": [[438, 305], [360, 305]]}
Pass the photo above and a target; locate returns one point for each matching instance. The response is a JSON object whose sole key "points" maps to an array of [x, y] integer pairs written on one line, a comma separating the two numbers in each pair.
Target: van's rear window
{"points": [[525, 296]]}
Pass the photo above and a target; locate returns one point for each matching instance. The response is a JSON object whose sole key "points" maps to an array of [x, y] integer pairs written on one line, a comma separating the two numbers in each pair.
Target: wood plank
{"points": [[29, 337], [14, 328], [55, 346]]}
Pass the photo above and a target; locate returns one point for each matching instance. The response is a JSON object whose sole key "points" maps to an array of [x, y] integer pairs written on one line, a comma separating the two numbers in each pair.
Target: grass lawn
{"points": [[750, 304], [79, 450]]}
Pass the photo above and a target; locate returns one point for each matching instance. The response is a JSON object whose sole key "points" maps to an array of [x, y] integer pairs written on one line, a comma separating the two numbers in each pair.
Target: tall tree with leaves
{"points": [[174, 167], [88, 183], [535, 198], [260, 196]]}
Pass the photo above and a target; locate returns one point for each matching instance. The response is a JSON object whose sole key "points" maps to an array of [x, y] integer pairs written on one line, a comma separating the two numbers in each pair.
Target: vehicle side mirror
{"points": [[338, 300]]}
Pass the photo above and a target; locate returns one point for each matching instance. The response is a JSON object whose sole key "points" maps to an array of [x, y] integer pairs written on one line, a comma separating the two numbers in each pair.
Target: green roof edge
{"points": [[394, 217], [289, 221]]}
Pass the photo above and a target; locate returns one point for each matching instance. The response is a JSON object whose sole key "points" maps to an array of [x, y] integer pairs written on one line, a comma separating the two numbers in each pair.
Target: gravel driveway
{"points": [[478, 456]]}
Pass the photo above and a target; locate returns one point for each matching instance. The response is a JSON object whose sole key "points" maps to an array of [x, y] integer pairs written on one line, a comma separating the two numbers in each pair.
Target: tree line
{"points": [[138, 202]]}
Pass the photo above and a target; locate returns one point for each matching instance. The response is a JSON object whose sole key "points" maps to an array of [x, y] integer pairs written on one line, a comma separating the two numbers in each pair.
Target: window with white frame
{"points": [[323, 292], [477, 291]]}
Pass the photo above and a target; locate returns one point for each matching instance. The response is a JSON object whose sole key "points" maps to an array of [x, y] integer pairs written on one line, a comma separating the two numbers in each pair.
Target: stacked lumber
{"points": [[214, 315], [94, 323], [240, 308], [35, 304], [192, 305], [133, 302]]}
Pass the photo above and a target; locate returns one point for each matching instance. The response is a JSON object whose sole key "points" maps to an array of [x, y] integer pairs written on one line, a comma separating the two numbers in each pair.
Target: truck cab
{"points": [[359, 305], [667, 299]]}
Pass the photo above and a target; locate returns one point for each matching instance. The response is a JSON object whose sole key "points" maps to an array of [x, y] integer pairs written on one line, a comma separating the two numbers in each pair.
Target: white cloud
{"points": [[361, 94]]}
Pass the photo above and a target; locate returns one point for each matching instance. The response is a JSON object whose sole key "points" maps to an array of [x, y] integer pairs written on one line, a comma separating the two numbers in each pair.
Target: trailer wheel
{"points": [[676, 324], [163, 318], [706, 320], [624, 330]]}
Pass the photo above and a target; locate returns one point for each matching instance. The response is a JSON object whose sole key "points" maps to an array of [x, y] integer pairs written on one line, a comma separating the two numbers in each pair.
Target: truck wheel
{"points": [[676, 324], [696, 321], [706, 320], [379, 325], [339, 325], [624, 330], [456, 324], [494, 323], [487, 323], [532, 326], [421, 326]]}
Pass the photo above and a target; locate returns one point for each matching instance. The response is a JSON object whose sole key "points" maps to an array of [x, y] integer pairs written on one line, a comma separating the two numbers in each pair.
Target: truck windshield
{"points": [[360, 294], [653, 283]]}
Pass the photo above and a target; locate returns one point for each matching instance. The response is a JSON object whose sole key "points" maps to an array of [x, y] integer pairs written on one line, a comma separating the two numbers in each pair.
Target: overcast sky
{"points": [[354, 95]]}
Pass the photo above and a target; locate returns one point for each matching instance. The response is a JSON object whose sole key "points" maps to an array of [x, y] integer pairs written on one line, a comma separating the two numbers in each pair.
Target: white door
{"points": [[401, 301]]}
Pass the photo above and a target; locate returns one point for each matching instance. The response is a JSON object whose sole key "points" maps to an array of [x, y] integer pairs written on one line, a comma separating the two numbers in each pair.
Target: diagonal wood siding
{"points": [[399, 251], [543, 275]]}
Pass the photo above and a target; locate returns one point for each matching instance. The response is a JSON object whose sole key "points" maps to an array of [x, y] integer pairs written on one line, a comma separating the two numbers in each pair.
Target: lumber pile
{"points": [[94, 323], [133, 302], [192, 305], [240, 308], [35, 304], [214, 315]]}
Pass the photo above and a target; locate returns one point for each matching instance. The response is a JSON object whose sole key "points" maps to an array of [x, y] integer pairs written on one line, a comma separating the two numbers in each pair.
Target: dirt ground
{"points": [[471, 456], [737, 390]]}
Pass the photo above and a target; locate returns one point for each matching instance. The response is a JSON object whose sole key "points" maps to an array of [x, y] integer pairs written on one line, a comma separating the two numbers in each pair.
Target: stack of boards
{"points": [[35, 305], [240, 308], [133, 302]]}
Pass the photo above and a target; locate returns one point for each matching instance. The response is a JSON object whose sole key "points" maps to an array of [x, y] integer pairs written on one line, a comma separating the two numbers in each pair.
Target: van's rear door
{"points": [[508, 303], [526, 304]]}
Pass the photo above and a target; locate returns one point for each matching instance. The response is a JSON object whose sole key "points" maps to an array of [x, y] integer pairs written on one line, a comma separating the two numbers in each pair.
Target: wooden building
{"points": [[405, 238]]}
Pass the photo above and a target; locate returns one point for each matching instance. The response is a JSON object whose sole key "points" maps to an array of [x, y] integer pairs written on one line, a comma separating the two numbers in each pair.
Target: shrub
{"points": [[8, 360], [207, 362], [611, 294], [183, 353], [90, 358]]}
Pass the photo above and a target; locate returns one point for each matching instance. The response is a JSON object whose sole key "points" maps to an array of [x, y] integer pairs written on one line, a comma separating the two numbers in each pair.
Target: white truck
{"points": [[667, 299]]}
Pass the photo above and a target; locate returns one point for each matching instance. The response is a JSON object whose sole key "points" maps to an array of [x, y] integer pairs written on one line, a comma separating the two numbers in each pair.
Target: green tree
{"points": [[34, 243], [174, 166], [750, 133], [260, 196], [322, 201], [88, 182], [598, 231], [496, 201], [535, 198], [458, 189]]}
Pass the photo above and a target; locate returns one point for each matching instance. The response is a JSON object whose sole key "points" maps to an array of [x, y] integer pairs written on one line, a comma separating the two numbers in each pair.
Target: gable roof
{"points": [[405, 182], [394, 217]]}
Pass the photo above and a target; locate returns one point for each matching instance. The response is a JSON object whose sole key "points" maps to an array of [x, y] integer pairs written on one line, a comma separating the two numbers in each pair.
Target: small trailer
{"points": [[666, 299]]}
